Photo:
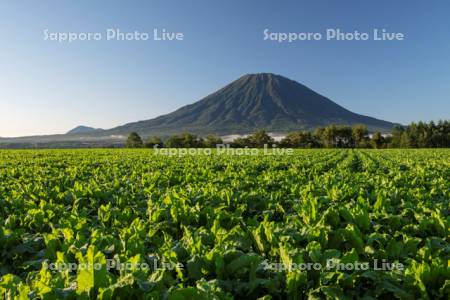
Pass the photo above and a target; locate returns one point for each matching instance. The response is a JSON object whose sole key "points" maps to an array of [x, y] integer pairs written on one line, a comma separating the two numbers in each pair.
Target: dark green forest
{"points": [[415, 135]]}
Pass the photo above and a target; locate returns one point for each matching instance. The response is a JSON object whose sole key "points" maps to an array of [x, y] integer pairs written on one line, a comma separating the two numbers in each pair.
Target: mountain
{"points": [[83, 129], [254, 101]]}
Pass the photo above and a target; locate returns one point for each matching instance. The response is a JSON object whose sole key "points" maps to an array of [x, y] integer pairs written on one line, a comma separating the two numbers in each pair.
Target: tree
{"points": [[329, 136], [319, 136], [175, 141], [211, 141], [359, 135], [337, 136], [154, 141], [240, 142], [260, 138], [422, 135], [185, 140], [377, 140], [190, 140], [134, 141], [405, 140], [396, 140], [299, 139]]}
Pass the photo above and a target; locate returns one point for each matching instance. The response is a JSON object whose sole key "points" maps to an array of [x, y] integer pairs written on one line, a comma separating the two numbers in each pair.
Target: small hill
{"points": [[83, 129]]}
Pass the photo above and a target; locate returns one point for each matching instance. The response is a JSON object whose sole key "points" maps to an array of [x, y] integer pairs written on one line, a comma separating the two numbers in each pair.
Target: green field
{"points": [[96, 223]]}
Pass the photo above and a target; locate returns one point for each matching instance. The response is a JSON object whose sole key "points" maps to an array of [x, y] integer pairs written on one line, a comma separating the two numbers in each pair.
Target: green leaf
{"points": [[91, 271]]}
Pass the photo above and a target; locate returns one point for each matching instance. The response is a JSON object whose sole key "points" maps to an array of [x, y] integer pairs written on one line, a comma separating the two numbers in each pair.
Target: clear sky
{"points": [[50, 87]]}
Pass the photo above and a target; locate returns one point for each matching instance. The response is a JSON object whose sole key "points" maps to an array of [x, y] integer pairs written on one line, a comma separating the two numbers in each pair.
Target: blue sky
{"points": [[49, 87]]}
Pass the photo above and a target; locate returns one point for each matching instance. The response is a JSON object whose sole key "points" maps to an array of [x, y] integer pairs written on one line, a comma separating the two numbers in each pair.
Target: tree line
{"points": [[415, 135]]}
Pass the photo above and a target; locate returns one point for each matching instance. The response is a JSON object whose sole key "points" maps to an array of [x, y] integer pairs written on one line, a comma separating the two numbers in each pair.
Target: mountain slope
{"points": [[254, 101]]}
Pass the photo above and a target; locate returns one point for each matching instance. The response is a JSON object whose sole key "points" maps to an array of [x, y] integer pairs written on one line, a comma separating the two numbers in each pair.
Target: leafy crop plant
{"points": [[133, 224]]}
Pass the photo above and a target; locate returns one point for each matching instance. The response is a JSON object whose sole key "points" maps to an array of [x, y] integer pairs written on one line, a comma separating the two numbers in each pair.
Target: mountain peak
{"points": [[263, 77]]}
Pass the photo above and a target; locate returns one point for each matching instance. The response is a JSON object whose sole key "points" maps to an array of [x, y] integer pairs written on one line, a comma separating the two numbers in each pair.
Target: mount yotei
{"points": [[254, 101]]}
